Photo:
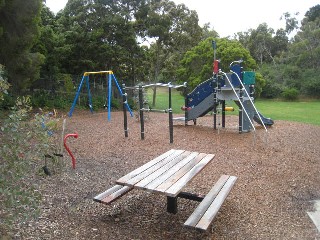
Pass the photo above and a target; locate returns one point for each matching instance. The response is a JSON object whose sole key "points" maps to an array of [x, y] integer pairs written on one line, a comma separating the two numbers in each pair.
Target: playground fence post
{"points": [[240, 110], [215, 103], [125, 118], [141, 112], [223, 106], [170, 117]]}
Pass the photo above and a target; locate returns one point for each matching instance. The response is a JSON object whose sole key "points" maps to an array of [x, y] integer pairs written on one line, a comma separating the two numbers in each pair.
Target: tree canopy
{"points": [[147, 41], [19, 28], [196, 66]]}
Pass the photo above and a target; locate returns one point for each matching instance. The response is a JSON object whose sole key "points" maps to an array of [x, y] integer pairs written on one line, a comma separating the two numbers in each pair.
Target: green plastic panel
{"points": [[249, 78]]}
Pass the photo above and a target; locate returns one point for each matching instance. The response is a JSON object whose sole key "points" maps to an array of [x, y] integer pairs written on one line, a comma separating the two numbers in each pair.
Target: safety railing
{"points": [[235, 93], [250, 99]]}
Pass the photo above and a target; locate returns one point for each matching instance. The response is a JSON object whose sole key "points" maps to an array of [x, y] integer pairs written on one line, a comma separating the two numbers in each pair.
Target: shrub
{"points": [[40, 99], [260, 84], [312, 88], [4, 85], [8, 102], [271, 90], [115, 103], [62, 101], [290, 94], [67, 82], [23, 143]]}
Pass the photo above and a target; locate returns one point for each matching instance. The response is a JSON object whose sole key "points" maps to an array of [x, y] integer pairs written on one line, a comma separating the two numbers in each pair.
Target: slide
{"points": [[266, 121], [205, 106], [200, 101], [254, 115]]}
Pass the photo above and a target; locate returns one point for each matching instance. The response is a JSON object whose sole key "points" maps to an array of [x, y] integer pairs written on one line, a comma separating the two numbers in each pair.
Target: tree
{"points": [[207, 32], [313, 13], [48, 45], [280, 43], [305, 48], [260, 43], [263, 43], [196, 66], [291, 22], [18, 32], [100, 35], [173, 29]]}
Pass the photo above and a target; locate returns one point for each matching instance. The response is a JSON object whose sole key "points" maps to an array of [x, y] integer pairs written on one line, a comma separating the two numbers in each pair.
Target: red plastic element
{"points": [[75, 135], [216, 66], [184, 108]]}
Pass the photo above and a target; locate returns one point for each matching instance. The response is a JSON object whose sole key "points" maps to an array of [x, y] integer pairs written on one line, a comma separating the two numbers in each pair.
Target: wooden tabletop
{"points": [[168, 173]]}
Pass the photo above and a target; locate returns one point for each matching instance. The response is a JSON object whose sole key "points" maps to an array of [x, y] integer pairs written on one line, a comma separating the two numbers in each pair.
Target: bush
{"points": [[48, 100], [260, 84], [290, 94], [23, 143], [8, 102], [41, 99], [62, 102], [271, 90], [16, 197], [115, 103], [4, 85], [67, 82], [5, 101], [312, 88]]}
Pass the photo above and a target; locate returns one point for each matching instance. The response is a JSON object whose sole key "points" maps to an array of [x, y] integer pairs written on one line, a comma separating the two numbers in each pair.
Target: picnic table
{"points": [[168, 174]]}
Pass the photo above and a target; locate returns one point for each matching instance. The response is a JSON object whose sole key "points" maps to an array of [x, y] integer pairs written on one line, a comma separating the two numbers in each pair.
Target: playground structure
{"points": [[142, 110], [75, 135], [126, 106], [237, 85], [211, 95], [111, 77]]}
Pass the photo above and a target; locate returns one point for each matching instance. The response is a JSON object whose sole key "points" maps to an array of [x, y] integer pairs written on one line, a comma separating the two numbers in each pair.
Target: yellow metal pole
{"points": [[88, 73]]}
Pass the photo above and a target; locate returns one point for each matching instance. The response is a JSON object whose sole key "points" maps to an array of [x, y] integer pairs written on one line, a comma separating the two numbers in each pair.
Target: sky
{"points": [[231, 16]]}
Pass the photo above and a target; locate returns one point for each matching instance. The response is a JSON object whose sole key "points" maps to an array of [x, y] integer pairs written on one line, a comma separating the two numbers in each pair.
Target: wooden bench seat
{"points": [[206, 211], [112, 194]]}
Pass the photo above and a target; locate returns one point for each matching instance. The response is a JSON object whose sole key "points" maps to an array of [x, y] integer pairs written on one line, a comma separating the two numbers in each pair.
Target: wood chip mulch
{"points": [[278, 178]]}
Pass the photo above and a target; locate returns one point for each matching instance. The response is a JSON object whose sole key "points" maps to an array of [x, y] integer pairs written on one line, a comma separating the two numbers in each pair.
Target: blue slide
{"points": [[200, 101], [266, 121]]}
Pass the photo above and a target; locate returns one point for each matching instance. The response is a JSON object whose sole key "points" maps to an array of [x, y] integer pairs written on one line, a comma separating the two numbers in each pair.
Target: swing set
{"points": [[111, 77], [126, 106]]}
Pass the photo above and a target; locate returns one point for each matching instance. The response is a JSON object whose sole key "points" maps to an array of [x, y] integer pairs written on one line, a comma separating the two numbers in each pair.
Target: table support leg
{"points": [[172, 202], [172, 205], [191, 196]]}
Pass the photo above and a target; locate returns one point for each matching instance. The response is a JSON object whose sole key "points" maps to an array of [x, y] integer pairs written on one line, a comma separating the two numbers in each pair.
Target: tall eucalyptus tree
{"points": [[18, 32]]}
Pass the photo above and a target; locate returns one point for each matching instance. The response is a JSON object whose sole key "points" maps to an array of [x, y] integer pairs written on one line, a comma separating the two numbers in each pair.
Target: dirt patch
{"points": [[278, 177]]}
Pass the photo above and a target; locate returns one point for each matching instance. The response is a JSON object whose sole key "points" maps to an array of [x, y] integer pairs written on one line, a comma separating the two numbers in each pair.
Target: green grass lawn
{"points": [[302, 111], [306, 112], [162, 100]]}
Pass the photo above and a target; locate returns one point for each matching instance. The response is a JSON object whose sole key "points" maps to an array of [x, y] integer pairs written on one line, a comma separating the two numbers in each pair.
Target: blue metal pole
{"points": [[120, 90], [89, 94], [76, 97], [109, 96]]}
